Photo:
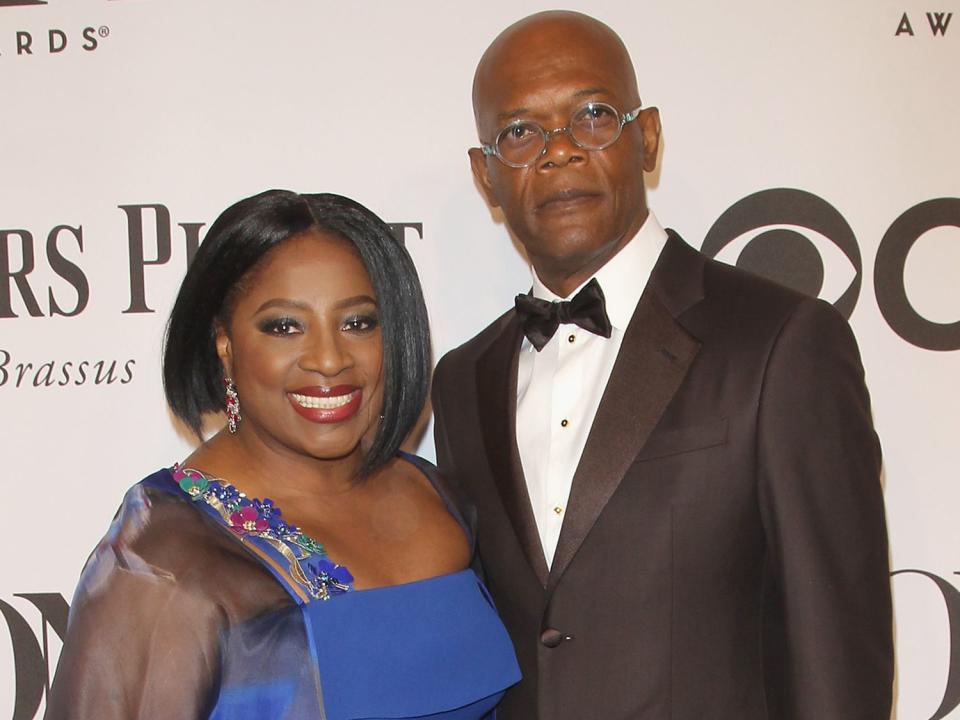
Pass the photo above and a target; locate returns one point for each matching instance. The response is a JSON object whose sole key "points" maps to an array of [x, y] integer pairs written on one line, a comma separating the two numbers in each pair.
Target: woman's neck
{"points": [[267, 469]]}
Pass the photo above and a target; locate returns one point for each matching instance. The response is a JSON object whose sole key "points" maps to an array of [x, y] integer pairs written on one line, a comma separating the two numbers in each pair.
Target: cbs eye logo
{"points": [[800, 240]]}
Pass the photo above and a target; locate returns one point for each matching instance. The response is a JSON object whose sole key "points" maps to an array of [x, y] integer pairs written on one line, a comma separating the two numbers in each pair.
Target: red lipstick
{"points": [[326, 404]]}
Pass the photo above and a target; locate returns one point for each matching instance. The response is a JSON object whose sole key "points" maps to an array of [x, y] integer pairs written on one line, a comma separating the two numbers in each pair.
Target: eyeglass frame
{"points": [[494, 150]]}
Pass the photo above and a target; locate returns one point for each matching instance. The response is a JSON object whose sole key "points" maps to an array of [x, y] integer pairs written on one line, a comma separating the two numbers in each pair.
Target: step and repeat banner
{"points": [[814, 142]]}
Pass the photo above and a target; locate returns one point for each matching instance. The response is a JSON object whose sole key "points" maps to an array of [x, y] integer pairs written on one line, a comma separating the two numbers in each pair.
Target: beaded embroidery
{"points": [[249, 517]]}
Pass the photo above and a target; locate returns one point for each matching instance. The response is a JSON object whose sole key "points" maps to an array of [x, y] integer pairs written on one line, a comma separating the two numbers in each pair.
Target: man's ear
{"points": [[478, 163], [224, 348], [649, 120]]}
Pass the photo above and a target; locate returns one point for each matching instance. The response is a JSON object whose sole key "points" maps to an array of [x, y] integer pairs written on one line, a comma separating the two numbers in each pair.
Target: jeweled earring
{"points": [[232, 402]]}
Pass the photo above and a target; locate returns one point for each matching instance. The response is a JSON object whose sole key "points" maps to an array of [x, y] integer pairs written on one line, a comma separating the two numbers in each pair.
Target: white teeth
{"points": [[324, 403]]}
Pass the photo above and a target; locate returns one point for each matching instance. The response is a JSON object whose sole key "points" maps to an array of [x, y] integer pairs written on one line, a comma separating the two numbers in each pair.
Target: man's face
{"points": [[573, 209]]}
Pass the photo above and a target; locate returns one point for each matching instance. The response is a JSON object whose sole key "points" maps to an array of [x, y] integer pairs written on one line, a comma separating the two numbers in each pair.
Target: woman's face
{"points": [[304, 349]]}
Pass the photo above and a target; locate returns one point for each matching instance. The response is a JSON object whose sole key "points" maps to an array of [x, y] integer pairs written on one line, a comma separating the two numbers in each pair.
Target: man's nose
{"points": [[560, 148]]}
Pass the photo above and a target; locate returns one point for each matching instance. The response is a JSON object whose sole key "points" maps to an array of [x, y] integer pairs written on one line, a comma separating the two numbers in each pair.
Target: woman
{"points": [[346, 591]]}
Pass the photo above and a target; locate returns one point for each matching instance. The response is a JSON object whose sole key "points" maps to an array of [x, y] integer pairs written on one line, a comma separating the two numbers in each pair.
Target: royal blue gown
{"points": [[202, 603]]}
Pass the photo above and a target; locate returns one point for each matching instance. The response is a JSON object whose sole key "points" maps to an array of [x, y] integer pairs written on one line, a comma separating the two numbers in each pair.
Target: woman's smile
{"points": [[327, 404]]}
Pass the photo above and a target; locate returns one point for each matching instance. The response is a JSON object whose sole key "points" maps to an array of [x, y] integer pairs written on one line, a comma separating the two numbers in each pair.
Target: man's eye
{"points": [[281, 326], [598, 114], [520, 133]]}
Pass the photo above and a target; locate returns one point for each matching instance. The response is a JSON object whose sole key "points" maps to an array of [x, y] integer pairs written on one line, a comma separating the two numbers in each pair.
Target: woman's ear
{"points": [[224, 348]]}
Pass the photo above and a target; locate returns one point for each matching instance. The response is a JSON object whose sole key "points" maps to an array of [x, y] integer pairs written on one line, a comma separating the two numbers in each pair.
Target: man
{"points": [[676, 475]]}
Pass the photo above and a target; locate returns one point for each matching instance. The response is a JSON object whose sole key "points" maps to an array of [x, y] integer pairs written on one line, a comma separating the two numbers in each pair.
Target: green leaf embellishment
{"points": [[193, 486], [309, 544]]}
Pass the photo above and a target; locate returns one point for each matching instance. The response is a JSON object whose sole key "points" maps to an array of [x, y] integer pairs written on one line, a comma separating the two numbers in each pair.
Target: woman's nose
{"points": [[326, 353]]}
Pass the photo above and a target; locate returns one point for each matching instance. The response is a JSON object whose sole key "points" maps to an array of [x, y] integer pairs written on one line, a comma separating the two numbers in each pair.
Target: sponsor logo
{"points": [[16, 372], [951, 599], [888, 275], [33, 41], [22, 251], [32, 661], [782, 249], [937, 22], [53, 41], [784, 234]]}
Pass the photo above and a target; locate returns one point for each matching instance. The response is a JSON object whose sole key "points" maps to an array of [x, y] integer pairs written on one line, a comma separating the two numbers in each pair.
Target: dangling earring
{"points": [[232, 402]]}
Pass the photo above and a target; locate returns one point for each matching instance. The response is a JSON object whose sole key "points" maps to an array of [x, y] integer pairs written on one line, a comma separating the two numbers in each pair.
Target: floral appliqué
{"points": [[248, 520], [249, 517]]}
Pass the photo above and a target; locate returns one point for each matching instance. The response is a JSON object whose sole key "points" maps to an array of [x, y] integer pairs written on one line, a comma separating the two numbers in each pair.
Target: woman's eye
{"points": [[360, 323], [281, 326]]}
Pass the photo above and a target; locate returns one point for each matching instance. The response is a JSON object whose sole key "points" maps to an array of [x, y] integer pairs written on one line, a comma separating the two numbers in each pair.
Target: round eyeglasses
{"points": [[593, 126]]}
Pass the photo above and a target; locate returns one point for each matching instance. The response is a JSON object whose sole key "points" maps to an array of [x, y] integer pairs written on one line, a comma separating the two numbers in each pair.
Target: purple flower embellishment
{"points": [[227, 494], [272, 514], [247, 519], [327, 572], [268, 509]]}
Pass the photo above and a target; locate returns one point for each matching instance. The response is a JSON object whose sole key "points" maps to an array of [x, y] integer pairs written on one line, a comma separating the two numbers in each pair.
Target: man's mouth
{"points": [[565, 199]]}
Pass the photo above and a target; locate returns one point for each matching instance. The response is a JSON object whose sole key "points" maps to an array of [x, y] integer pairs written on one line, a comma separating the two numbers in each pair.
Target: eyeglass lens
{"points": [[593, 127]]}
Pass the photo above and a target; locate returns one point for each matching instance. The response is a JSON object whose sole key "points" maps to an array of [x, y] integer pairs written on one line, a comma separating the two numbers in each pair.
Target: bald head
{"points": [[551, 38]]}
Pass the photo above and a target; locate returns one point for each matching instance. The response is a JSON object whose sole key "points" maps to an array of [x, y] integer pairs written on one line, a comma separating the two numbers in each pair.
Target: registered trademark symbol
{"points": [[103, 31]]}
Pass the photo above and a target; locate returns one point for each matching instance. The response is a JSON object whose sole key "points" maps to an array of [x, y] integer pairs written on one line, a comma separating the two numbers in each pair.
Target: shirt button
{"points": [[558, 510], [572, 338], [564, 423]]}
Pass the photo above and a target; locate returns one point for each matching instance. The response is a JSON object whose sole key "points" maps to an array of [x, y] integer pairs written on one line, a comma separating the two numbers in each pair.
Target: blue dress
{"points": [[248, 618]]}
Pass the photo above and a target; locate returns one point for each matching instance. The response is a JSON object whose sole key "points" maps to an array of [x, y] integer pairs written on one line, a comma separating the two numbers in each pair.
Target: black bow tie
{"points": [[541, 318]]}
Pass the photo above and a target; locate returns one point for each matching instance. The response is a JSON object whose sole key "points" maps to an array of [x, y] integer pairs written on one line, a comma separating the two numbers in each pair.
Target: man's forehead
{"points": [[560, 55], [536, 80], [507, 107]]}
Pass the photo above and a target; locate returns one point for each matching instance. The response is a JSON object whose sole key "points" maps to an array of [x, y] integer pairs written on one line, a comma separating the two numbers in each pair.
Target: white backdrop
{"points": [[116, 104]]}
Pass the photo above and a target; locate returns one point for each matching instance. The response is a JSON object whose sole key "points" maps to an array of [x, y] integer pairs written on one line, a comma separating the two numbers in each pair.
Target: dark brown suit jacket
{"points": [[724, 552]]}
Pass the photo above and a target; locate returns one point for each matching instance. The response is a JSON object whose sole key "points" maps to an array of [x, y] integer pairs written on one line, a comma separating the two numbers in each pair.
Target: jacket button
{"points": [[551, 637]]}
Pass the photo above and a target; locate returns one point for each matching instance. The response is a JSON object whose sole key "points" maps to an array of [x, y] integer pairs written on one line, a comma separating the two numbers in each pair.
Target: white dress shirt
{"points": [[559, 388]]}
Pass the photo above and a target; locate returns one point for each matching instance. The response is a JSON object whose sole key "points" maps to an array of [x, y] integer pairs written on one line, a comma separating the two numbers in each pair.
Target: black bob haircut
{"points": [[237, 240]]}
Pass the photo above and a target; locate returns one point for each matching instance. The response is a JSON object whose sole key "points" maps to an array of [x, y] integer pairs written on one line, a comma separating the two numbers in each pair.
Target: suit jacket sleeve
{"points": [[828, 634], [438, 397], [445, 462]]}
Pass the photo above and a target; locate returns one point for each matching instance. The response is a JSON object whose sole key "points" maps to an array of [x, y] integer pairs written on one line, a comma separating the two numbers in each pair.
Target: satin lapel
{"points": [[497, 397], [652, 363]]}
